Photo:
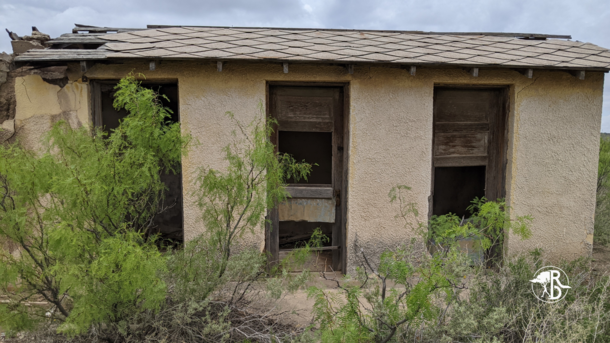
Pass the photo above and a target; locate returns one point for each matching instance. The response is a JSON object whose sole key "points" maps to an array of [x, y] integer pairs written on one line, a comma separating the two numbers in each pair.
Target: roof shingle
{"points": [[404, 47]]}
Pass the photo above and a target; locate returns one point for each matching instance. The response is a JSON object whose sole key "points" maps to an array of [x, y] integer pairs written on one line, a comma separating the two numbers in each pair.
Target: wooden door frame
{"points": [[498, 161], [272, 236], [501, 160]]}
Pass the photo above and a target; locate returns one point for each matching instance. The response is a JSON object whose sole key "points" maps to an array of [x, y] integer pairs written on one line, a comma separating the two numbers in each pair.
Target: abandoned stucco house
{"points": [[452, 115]]}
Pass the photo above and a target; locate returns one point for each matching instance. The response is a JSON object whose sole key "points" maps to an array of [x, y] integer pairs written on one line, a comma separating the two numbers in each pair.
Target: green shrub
{"points": [[488, 223], [81, 214], [602, 204]]}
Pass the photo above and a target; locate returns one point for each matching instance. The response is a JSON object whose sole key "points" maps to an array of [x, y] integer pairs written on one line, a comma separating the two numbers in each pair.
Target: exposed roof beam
{"points": [[579, 74], [529, 72]]}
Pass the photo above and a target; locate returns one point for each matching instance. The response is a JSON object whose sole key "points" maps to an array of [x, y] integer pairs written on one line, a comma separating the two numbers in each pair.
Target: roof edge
{"points": [[96, 29]]}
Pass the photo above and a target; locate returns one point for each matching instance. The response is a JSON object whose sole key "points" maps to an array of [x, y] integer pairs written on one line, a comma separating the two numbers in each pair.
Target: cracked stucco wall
{"points": [[40, 104], [553, 139]]}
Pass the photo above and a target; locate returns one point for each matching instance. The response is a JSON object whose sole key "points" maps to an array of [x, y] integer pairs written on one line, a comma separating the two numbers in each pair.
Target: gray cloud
{"points": [[585, 20]]}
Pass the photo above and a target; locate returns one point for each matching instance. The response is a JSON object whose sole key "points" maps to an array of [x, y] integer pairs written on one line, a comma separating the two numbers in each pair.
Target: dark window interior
{"points": [[168, 223], [456, 187], [295, 234], [313, 147], [111, 117]]}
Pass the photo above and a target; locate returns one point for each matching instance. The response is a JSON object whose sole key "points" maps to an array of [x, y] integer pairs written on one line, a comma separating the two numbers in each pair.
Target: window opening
{"points": [[313, 147]]}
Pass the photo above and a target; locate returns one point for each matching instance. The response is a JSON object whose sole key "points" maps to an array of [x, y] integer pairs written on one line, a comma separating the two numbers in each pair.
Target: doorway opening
{"points": [[311, 129], [469, 148], [168, 223]]}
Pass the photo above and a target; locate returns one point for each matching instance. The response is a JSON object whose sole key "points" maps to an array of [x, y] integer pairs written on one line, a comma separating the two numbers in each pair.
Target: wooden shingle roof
{"points": [[327, 46]]}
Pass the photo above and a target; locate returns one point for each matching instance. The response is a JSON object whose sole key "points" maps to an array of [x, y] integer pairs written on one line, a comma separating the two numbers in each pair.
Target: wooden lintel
{"points": [[350, 69], [473, 71], [219, 66], [152, 65], [285, 66], [412, 70], [579, 74]]}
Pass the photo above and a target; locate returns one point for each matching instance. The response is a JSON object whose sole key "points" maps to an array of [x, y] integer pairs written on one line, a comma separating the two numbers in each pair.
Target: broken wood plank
{"points": [[292, 239], [310, 192], [315, 249]]}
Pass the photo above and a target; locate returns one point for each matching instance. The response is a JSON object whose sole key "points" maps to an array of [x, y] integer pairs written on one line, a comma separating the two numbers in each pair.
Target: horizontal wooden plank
{"points": [[454, 105], [460, 127], [310, 210], [306, 126], [316, 249], [310, 192], [305, 108], [460, 144], [460, 161]]}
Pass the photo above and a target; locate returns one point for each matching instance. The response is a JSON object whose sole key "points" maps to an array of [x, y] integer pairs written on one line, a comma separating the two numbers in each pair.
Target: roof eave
{"points": [[98, 58]]}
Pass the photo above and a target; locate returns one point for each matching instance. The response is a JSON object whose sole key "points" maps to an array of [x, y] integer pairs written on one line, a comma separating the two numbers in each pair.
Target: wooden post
{"points": [[285, 65], [219, 66]]}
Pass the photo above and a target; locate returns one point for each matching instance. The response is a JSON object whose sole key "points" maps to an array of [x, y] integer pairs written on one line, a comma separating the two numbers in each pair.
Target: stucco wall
{"points": [[40, 104], [552, 141]]}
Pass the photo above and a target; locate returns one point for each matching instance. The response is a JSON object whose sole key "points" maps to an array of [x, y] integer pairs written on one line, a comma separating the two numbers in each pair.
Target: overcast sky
{"points": [[585, 20]]}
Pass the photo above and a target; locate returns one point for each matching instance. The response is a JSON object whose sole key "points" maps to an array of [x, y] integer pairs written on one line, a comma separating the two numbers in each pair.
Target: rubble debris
{"points": [[37, 36], [13, 35]]}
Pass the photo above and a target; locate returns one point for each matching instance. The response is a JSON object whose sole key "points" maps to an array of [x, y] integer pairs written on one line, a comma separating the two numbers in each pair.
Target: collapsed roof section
{"points": [[414, 48]]}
